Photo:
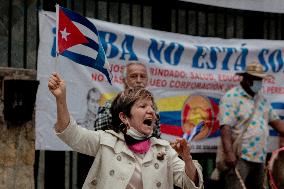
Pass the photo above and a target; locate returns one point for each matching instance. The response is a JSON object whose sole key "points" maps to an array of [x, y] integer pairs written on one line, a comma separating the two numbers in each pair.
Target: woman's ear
{"points": [[123, 118]]}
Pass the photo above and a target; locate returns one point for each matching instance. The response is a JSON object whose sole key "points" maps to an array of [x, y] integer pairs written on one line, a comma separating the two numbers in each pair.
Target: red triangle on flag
{"points": [[68, 34]]}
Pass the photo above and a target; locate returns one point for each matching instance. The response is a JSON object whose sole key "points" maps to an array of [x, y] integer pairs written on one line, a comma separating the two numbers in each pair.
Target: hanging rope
{"points": [[240, 178]]}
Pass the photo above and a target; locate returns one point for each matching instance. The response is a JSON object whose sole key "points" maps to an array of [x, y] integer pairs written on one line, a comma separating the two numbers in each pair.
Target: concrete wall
{"points": [[17, 143]]}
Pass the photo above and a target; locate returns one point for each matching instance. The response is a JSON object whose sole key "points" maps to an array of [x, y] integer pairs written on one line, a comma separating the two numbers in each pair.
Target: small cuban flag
{"points": [[195, 131], [78, 40]]}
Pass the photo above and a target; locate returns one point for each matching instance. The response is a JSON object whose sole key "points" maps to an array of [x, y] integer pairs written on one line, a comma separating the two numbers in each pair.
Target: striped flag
{"points": [[78, 40]]}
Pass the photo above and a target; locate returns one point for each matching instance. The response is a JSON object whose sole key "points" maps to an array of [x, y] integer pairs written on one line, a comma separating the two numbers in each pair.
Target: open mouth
{"points": [[148, 121]]}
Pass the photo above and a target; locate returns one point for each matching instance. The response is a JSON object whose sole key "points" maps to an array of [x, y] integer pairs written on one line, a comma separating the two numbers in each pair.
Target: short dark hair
{"points": [[92, 90], [123, 102]]}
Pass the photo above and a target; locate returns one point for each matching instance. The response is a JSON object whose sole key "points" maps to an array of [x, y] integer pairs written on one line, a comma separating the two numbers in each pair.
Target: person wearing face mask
{"points": [[134, 74], [246, 113], [127, 156]]}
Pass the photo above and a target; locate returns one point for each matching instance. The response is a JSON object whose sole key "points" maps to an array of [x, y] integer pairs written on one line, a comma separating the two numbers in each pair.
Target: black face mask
{"points": [[129, 140]]}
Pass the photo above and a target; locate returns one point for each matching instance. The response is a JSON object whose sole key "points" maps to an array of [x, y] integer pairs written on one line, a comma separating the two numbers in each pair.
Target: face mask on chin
{"points": [[136, 134], [256, 86]]}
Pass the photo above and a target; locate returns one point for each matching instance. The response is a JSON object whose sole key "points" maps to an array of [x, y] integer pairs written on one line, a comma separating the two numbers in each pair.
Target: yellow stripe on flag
{"points": [[171, 103], [165, 104]]}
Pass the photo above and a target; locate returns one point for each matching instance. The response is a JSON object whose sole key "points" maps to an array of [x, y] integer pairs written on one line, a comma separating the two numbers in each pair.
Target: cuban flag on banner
{"points": [[78, 40]]}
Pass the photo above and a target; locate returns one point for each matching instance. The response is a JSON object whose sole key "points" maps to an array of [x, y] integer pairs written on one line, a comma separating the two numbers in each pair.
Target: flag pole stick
{"points": [[56, 45], [56, 63]]}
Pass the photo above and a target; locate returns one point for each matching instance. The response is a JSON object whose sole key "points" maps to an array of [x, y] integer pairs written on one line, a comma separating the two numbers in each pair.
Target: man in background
{"points": [[246, 103], [135, 74]]}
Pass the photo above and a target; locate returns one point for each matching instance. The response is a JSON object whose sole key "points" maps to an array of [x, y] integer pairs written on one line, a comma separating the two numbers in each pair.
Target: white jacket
{"points": [[114, 163]]}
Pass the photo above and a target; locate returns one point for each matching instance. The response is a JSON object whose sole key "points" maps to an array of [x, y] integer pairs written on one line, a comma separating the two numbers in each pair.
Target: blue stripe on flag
{"points": [[196, 130], [171, 118], [101, 61], [92, 44], [277, 105], [80, 59], [88, 61], [80, 19]]}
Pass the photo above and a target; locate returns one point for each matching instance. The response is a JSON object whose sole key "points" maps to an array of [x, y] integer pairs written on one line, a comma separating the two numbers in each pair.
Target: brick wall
{"points": [[17, 142]]}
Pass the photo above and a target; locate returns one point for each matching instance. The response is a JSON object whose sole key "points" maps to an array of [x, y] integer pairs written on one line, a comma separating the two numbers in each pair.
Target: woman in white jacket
{"points": [[127, 157]]}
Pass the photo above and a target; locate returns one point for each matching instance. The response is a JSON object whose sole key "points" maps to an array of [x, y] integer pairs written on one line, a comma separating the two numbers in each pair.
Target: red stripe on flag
{"points": [[68, 34], [171, 130]]}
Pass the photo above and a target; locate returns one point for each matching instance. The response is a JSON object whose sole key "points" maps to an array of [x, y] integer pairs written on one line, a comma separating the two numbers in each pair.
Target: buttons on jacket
{"points": [[156, 165], [146, 164], [158, 184], [111, 172], [118, 158]]}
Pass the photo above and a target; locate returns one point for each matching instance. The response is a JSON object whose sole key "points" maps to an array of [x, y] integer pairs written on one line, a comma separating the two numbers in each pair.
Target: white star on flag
{"points": [[64, 34]]}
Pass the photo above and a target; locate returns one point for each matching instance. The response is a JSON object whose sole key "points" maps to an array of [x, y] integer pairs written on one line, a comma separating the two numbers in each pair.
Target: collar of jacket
{"points": [[118, 144]]}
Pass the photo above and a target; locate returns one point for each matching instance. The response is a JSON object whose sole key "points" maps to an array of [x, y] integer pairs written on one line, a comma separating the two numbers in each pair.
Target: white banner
{"points": [[186, 72], [273, 6]]}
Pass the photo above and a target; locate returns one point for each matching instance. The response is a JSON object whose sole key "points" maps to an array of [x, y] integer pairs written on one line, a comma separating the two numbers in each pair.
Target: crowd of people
{"points": [[128, 152]]}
